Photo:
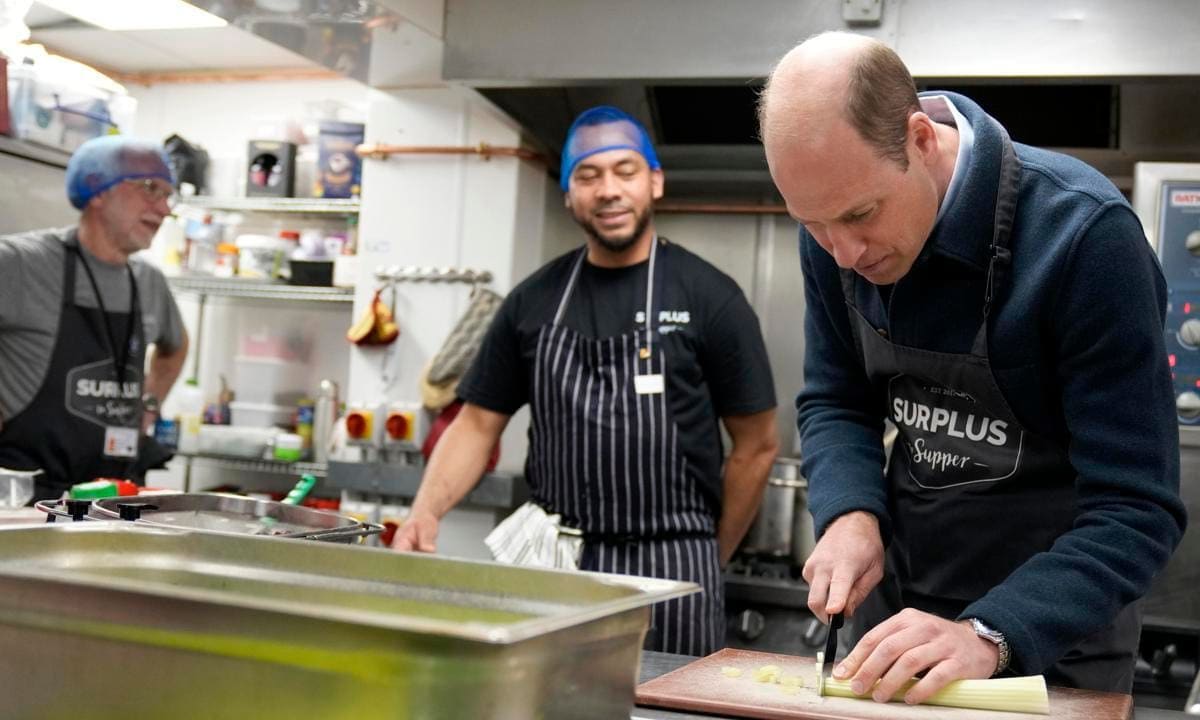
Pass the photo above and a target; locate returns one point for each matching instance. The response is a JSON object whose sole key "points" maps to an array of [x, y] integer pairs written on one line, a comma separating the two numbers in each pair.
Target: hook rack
{"points": [[412, 273]]}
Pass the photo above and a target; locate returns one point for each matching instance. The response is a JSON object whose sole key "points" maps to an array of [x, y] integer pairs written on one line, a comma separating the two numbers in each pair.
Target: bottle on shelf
{"points": [[325, 411], [191, 415]]}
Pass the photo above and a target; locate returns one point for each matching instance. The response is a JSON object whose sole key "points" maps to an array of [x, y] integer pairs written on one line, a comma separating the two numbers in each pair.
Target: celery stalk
{"points": [[1017, 694]]}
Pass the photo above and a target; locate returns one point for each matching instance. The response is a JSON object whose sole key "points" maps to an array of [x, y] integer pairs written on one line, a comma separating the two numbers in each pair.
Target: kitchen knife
{"points": [[826, 669]]}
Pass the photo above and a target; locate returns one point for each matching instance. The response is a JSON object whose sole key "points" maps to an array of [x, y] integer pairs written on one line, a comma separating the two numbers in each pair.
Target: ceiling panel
{"points": [[106, 49], [223, 47], [134, 51]]}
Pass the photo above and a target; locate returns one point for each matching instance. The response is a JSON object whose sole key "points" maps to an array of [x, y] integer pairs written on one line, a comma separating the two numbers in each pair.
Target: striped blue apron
{"points": [[604, 454]]}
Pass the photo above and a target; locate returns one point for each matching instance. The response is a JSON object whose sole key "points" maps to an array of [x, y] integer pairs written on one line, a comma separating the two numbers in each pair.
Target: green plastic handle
{"points": [[302, 489]]}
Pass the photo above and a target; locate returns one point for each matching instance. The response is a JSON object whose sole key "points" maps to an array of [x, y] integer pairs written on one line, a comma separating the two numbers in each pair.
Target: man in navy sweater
{"points": [[999, 305]]}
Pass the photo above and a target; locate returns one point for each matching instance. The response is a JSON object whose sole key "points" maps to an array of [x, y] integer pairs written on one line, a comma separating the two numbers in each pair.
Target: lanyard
{"points": [[645, 351], [108, 330]]}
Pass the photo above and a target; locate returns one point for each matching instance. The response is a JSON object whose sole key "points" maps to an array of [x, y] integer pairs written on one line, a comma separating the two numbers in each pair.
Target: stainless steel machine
{"points": [[765, 597], [1167, 199]]}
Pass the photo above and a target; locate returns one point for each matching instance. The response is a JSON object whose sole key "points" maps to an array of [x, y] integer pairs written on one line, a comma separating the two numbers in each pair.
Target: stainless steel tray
{"points": [[113, 620], [220, 512]]}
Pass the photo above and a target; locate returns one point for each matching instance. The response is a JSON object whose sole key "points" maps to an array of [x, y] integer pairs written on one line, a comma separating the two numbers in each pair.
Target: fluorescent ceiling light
{"points": [[136, 14]]}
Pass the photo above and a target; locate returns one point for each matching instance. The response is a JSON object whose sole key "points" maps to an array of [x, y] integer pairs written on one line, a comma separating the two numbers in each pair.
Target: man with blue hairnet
{"points": [[77, 312], [628, 351]]}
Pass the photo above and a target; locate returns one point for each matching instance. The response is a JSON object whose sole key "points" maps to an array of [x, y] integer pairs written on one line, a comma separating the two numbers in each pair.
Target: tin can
{"points": [[166, 432], [304, 420]]}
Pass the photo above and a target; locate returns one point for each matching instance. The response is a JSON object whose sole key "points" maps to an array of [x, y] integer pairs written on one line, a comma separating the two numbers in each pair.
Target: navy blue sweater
{"points": [[1076, 344]]}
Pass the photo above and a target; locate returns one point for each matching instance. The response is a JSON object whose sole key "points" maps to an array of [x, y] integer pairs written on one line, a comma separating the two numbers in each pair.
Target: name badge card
{"points": [[120, 442], [648, 384]]}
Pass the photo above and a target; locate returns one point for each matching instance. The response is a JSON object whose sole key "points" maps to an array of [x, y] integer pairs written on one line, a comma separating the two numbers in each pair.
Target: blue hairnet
{"points": [[603, 128], [102, 162]]}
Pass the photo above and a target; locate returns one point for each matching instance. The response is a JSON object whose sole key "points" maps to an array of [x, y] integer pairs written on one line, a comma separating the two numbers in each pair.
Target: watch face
{"points": [[985, 632]]}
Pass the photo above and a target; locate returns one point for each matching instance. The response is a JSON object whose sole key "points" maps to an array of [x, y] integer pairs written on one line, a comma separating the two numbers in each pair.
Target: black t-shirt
{"points": [[716, 360]]}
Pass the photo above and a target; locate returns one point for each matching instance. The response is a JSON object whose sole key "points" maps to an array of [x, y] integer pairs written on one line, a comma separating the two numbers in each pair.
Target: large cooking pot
{"points": [[783, 528]]}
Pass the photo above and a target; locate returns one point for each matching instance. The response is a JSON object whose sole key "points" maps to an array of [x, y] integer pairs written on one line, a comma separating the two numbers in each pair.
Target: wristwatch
{"points": [[150, 403], [995, 637]]}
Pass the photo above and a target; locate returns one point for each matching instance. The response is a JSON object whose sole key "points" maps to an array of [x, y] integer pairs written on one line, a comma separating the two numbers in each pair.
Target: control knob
{"points": [[1188, 405], [1192, 242], [1189, 333], [751, 624]]}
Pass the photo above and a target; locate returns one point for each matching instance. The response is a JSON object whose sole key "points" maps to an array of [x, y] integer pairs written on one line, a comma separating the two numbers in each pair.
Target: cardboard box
{"points": [[339, 168]]}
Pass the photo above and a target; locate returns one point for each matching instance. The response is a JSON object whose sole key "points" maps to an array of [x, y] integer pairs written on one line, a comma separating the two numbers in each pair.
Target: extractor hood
{"points": [[690, 70], [1110, 80]]}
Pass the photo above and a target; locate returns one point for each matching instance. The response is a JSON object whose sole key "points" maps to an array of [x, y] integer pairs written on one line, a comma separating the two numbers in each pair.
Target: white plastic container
{"points": [[189, 400], [267, 380], [234, 441], [259, 415], [62, 113], [262, 256]]}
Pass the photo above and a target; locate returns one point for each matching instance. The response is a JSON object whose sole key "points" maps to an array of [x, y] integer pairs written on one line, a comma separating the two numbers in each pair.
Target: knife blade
{"points": [[835, 623]]}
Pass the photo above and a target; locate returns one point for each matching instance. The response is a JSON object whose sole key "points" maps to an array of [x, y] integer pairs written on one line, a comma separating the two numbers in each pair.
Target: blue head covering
{"points": [[102, 162], [603, 128]]}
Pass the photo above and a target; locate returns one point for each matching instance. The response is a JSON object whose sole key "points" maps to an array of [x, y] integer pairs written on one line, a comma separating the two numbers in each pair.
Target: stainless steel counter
{"points": [[495, 489], [10, 517], [656, 663]]}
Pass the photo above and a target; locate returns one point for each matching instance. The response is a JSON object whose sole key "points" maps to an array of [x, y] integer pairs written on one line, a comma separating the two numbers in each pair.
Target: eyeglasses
{"points": [[155, 190]]}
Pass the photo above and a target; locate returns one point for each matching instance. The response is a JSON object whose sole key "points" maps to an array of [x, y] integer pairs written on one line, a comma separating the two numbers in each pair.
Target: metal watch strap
{"points": [[995, 637]]}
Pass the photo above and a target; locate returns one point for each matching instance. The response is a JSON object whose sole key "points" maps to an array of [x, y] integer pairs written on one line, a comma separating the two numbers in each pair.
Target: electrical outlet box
{"points": [[362, 426], [862, 12], [405, 425]]}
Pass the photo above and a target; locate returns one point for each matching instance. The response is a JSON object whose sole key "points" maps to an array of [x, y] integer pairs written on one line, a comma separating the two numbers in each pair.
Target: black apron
{"points": [[77, 427], [603, 453], [973, 493]]}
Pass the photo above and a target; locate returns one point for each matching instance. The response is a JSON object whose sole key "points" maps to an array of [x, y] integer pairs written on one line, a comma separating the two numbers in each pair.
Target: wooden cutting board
{"points": [[701, 687]]}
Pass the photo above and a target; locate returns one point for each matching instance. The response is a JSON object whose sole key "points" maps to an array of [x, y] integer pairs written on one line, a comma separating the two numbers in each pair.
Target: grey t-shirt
{"points": [[31, 279]]}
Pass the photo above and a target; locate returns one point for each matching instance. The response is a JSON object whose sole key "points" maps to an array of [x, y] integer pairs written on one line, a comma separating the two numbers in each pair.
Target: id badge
{"points": [[648, 384], [121, 442]]}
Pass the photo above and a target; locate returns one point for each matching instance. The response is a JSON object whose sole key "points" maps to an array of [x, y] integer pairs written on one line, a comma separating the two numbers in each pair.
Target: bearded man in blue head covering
{"points": [[78, 311], [631, 352]]}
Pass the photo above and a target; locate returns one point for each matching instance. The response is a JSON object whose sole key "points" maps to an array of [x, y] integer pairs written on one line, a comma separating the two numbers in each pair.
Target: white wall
{"points": [[439, 211]]}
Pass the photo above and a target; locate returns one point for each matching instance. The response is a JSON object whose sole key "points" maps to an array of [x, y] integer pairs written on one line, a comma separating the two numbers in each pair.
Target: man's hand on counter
{"points": [[908, 643], [845, 565], [419, 532]]}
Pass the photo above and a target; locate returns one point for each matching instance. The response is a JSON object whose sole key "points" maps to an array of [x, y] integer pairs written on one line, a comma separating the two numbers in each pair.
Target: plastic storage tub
{"points": [[63, 115], [247, 414], [251, 443], [267, 380], [261, 256], [311, 272]]}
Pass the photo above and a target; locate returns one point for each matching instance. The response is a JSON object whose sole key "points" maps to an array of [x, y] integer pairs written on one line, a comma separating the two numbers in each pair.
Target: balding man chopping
{"points": [[998, 304]]}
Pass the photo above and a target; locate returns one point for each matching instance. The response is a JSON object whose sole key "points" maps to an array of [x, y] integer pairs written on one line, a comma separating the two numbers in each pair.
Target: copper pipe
{"points": [[226, 76], [386, 20], [380, 151], [720, 208]]}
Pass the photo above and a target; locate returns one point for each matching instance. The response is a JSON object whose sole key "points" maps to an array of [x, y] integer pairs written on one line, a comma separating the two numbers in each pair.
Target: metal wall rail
{"points": [[381, 151], [411, 273]]}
